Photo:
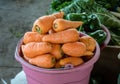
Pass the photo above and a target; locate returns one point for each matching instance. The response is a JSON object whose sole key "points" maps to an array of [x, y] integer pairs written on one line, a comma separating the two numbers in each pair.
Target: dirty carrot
{"points": [[43, 24], [36, 48], [75, 61], [62, 24], [76, 49], [32, 37], [89, 42], [69, 35], [56, 51], [58, 14], [43, 61]]}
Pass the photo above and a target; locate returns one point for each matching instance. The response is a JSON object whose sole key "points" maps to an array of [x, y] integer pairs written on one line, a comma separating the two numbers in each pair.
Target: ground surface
{"points": [[16, 17]]}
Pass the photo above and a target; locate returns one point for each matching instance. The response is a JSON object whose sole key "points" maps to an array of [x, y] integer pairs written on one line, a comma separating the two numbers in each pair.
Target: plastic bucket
{"points": [[76, 75]]}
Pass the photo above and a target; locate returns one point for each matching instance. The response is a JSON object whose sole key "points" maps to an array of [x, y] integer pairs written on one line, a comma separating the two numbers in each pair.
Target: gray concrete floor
{"points": [[16, 17]]}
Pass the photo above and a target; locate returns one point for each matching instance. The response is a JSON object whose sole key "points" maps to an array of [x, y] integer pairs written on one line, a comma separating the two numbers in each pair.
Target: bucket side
{"points": [[77, 77]]}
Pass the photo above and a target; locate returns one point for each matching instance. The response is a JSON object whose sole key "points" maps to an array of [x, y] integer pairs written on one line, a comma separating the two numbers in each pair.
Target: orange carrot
{"points": [[34, 49], [43, 61], [69, 35], [86, 58], [75, 61], [89, 42], [75, 49], [62, 24], [32, 37], [88, 53], [56, 51], [51, 31], [58, 14], [26, 58], [43, 24], [57, 65]]}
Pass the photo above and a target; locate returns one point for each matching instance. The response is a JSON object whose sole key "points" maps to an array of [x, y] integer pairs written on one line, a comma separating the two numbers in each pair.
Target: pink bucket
{"points": [[105, 43], [76, 75]]}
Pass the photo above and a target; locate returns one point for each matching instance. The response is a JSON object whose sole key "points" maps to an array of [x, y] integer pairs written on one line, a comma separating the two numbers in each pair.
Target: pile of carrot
{"points": [[55, 42]]}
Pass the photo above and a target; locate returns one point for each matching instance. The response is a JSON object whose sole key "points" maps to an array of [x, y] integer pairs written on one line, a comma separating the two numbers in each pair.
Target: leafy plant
{"points": [[90, 7]]}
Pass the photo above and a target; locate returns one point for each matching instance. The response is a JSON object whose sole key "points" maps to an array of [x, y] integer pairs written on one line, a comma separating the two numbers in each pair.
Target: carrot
{"points": [[34, 49], [75, 61], [51, 31], [56, 51], [62, 24], [88, 53], [86, 58], [43, 24], [75, 49], [26, 58], [57, 65], [89, 42], [69, 35], [58, 14], [32, 37], [43, 61]]}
